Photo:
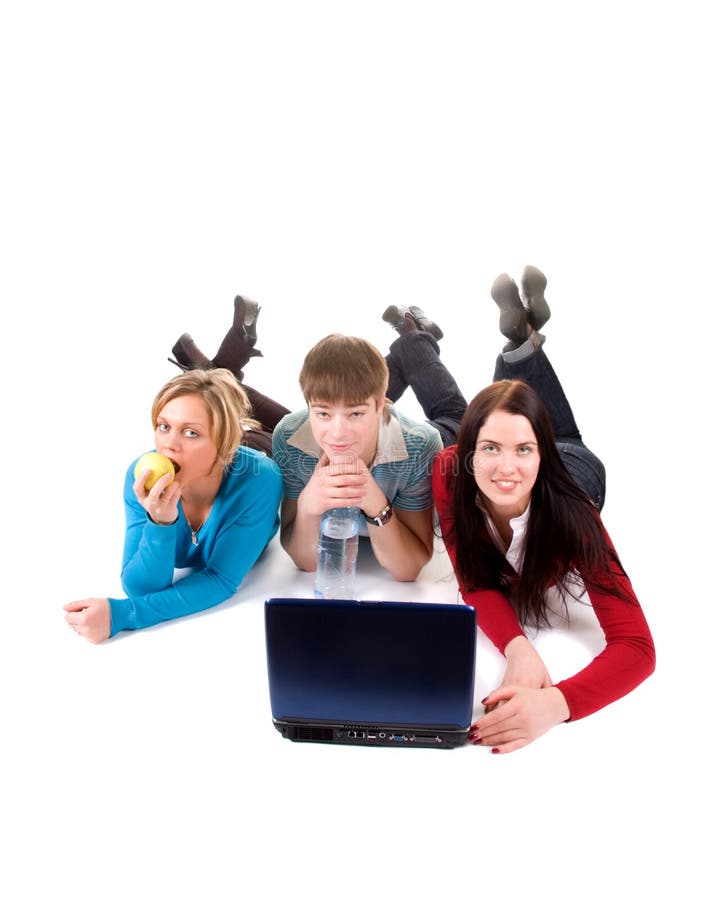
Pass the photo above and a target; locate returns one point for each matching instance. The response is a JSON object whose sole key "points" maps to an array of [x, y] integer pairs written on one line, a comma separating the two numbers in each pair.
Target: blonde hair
{"points": [[341, 369], [228, 406]]}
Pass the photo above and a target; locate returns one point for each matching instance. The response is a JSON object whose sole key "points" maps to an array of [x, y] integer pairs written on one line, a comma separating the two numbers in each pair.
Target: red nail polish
{"points": [[495, 749]]}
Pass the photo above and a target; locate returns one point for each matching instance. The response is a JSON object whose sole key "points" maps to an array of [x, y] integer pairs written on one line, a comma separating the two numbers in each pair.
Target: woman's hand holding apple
{"points": [[161, 501]]}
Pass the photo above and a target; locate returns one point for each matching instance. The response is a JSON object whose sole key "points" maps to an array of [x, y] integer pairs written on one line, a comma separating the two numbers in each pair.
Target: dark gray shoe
{"points": [[411, 318], [424, 323], [513, 317], [533, 294]]}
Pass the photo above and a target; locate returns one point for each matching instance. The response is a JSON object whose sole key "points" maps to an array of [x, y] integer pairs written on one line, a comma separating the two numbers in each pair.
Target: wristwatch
{"points": [[382, 517]]}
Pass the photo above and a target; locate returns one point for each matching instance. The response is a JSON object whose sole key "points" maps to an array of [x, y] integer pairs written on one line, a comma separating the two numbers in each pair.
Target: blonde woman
{"points": [[215, 516]]}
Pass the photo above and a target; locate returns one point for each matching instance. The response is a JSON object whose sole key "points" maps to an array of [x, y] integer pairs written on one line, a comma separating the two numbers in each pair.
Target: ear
{"points": [[380, 401]]}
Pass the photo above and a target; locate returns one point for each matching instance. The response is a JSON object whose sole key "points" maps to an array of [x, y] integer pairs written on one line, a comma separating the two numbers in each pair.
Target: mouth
{"points": [[503, 485], [176, 467]]}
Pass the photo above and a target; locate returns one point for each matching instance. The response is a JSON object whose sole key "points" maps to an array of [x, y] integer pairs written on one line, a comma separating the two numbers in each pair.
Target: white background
{"points": [[327, 159]]}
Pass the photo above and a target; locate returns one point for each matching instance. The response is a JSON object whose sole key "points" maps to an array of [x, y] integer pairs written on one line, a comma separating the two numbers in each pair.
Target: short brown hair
{"points": [[228, 406], [341, 369]]}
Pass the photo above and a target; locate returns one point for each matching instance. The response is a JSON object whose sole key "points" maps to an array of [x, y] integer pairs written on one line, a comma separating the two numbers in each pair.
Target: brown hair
{"points": [[228, 406], [564, 531], [341, 369]]}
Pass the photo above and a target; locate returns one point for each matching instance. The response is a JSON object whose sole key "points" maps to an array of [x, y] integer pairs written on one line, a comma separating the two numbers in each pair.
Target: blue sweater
{"points": [[243, 519]]}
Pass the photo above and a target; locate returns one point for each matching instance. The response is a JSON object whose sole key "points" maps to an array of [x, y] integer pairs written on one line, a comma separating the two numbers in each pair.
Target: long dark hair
{"points": [[564, 531]]}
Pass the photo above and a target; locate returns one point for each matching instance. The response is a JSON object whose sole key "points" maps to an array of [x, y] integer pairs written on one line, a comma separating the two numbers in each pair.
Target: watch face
{"points": [[384, 516]]}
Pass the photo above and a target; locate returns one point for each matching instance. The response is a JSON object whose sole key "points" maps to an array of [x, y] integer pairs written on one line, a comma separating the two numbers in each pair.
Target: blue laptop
{"points": [[386, 674]]}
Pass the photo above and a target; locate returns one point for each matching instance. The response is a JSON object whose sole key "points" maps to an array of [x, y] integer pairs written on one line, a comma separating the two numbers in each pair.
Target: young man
{"points": [[350, 447]]}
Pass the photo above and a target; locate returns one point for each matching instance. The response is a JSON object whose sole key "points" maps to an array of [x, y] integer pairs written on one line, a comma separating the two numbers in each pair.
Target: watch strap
{"points": [[382, 517]]}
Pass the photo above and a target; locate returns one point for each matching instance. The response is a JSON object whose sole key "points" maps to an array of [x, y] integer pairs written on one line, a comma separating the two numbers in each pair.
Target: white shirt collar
{"points": [[514, 554]]}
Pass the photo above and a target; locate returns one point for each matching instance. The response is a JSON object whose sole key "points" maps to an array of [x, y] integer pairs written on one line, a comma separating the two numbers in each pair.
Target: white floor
{"points": [[329, 159]]}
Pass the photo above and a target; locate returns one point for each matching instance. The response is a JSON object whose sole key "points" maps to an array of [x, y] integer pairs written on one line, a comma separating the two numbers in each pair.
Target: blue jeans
{"points": [[413, 361], [582, 464]]}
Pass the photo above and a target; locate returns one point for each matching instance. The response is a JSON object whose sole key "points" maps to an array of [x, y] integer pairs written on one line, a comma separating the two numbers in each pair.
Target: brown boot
{"points": [[187, 354], [238, 346]]}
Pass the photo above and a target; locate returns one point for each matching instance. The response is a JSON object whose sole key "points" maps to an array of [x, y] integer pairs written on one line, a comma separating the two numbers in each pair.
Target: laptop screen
{"points": [[387, 663]]}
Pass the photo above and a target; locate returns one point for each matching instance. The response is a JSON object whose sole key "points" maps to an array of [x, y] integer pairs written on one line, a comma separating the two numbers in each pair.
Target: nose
{"points": [[506, 463], [338, 428], [169, 441]]}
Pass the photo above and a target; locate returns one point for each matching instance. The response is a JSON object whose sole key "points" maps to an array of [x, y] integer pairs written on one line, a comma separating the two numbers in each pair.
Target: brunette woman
{"points": [[525, 540]]}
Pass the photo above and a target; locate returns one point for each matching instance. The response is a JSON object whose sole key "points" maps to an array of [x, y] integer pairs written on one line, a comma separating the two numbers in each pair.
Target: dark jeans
{"points": [[413, 361], [582, 464]]}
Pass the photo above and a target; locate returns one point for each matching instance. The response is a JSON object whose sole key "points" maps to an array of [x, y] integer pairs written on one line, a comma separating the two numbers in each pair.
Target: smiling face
{"points": [[506, 462], [347, 431], [183, 434]]}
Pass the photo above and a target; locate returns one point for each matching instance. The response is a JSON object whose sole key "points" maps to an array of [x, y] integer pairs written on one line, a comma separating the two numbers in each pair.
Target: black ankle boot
{"points": [[411, 318]]}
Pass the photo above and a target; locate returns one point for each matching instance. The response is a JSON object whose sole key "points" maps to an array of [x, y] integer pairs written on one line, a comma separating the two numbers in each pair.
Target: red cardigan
{"points": [[629, 654]]}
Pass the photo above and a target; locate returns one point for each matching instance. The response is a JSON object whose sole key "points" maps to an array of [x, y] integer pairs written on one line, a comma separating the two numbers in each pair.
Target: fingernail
{"points": [[485, 699], [495, 749]]}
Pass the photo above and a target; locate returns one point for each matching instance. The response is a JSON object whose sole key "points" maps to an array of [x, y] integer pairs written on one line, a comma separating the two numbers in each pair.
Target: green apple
{"points": [[158, 464]]}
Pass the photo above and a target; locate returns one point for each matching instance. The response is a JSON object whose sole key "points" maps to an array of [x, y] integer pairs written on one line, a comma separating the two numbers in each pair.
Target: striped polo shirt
{"points": [[402, 465]]}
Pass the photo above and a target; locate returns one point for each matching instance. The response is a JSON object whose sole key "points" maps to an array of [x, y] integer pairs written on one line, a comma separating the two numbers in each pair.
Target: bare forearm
{"points": [[399, 550], [404, 545]]}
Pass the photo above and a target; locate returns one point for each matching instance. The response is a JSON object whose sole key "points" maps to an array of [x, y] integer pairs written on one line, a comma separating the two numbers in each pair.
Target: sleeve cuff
{"points": [[122, 615]]}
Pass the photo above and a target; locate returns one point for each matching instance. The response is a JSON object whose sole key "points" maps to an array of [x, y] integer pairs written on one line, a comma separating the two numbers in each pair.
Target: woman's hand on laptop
{"points": [[518, 716]]}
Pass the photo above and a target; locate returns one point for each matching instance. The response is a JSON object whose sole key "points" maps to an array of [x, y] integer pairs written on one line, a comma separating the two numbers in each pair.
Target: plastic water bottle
{"points": [[338, 548]]}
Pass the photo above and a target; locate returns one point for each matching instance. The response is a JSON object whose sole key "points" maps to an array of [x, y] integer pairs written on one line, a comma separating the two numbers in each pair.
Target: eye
{"points": [[162, 426], [190, 433], [357, 414], [483, 451]]}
